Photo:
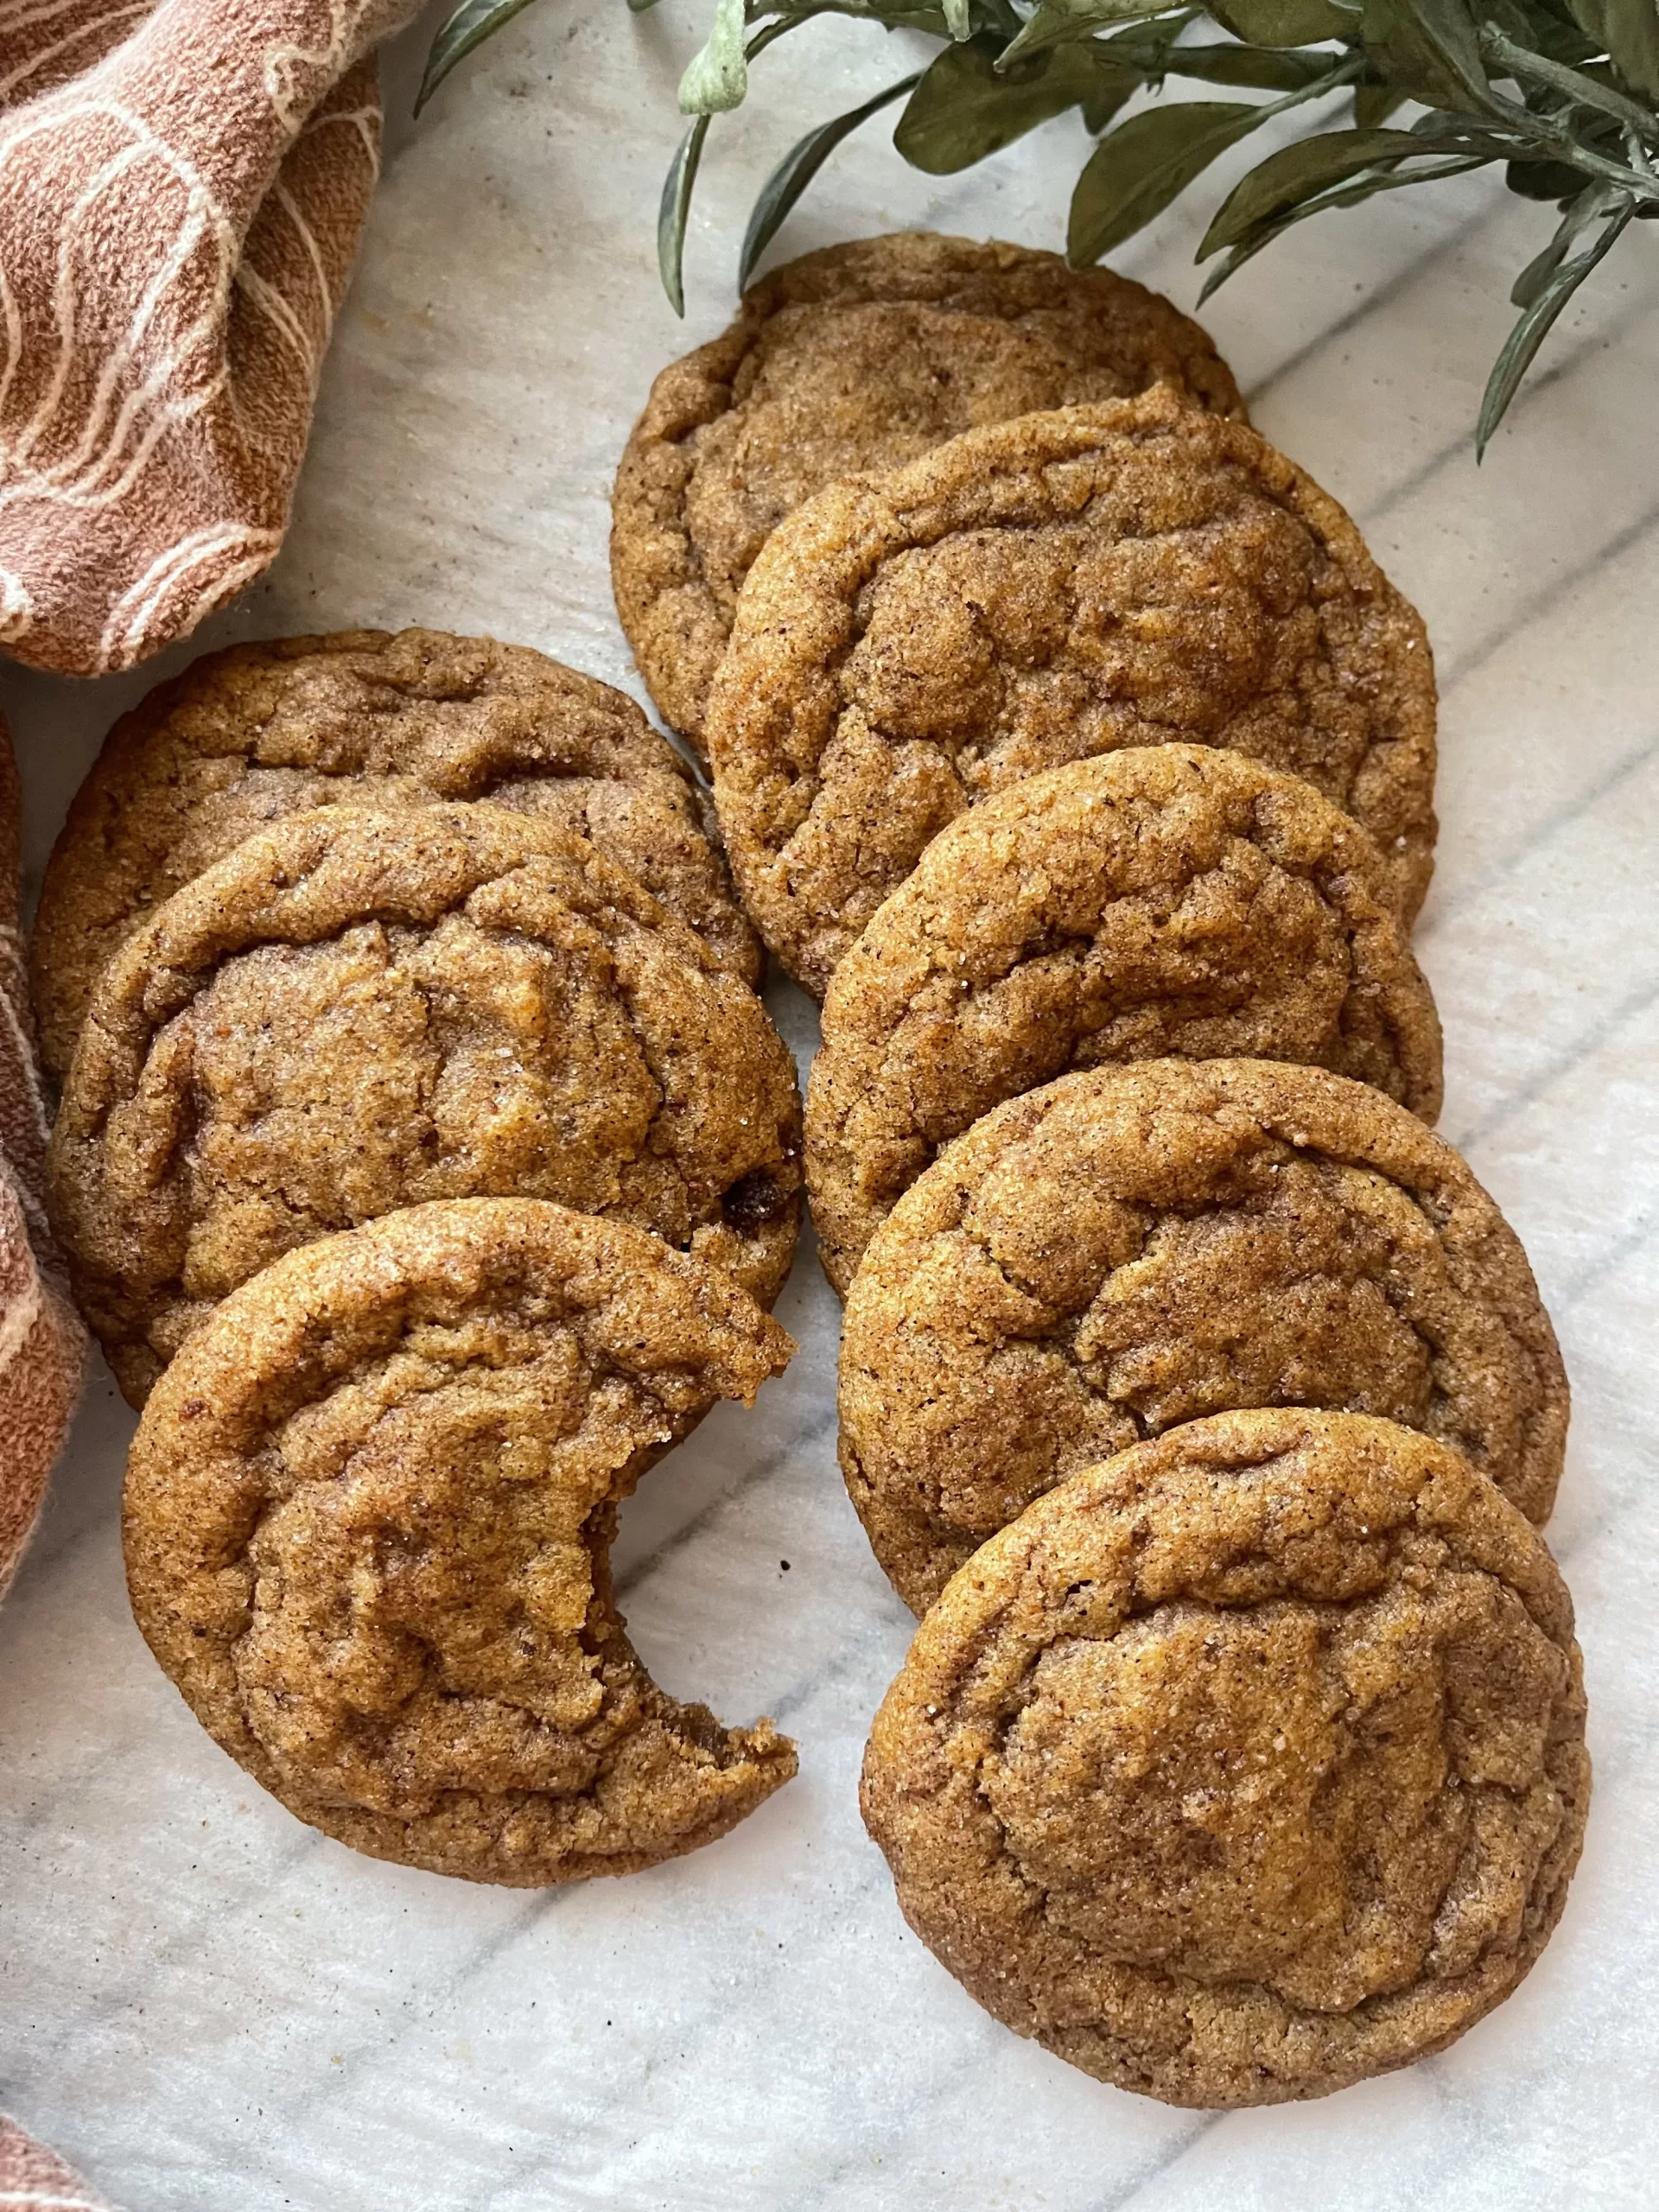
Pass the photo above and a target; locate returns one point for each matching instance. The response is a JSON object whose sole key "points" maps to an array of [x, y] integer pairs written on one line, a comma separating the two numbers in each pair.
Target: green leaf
{"points": [[1573, 83], [961, 110], [1113, 89], [1296, 173], [1056, 21], [1543, 180], [1284, 23], [958, 19], [469, 27], [797, 169], [1262, 68], [716, 79], [675, 207], [1374, 103], [1137, 169], [1428, 49], [1537, 318], [1628, 32], [1588, 205], [641, 7], [1365, 186]]}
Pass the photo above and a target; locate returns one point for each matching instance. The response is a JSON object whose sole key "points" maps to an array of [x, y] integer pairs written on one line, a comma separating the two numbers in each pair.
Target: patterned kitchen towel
{"points": [[42, 1345], [182, 183], [32, 2179]]}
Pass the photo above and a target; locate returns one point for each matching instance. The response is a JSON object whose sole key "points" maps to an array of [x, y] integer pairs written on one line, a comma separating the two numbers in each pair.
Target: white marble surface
{"points": [[204, 2004]]}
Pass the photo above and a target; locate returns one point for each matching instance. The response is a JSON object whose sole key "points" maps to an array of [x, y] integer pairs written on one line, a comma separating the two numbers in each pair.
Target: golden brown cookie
{"points": [[1168, 899], [1245, 1766], [861, 356], [368, 1521], [1131, 1247], [354, 1011], [1041, 591], [257, 731]]}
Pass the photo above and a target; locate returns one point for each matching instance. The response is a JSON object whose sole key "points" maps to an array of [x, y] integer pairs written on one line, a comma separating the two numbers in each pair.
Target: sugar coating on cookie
{"points": [[356, 1011], [1245, 1766], [1038, 591], [1127, 1249], [368, 1515], [248, 735], [1166, 899], [861, 356]]}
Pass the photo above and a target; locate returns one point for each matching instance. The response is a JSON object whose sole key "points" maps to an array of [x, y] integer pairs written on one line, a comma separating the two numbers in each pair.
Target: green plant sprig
{"points": [[1564, 93]]}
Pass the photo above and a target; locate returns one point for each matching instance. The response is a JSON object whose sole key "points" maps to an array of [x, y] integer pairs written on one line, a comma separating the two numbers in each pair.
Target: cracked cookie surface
{"points": [[1245, 1766], [861, 356], [1137, 573], [1165, 900], [368, 1517], [363, 718], [1128, 1249], [354, 1012]]}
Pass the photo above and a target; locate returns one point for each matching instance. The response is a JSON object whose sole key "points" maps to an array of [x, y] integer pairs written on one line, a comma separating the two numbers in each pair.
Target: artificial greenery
{"points": [[1564, 92]]}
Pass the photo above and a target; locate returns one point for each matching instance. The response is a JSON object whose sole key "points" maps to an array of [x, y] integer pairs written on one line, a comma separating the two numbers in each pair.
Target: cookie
{"points": [[862, 356], [1245, 1766], [1127, 1249], [356, 1011], [247, 736], [1168, 899], [368, 1521], [1041, 591]]}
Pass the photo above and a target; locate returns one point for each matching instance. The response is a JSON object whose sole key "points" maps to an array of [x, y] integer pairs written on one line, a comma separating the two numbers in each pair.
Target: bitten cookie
{"points": [[861, 356], [1041, 591], [1131, 1247], [362, 718], [356, 1011], [1168, 899], [368, 1520], [1245, 1766]]}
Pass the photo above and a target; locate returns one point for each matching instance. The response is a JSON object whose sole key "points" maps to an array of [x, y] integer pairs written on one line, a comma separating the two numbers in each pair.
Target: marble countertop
{"points": [[204, 2004]]}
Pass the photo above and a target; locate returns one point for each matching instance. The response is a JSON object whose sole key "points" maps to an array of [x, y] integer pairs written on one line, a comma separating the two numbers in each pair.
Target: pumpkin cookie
{"points": [[862, 356], [368, 1518], [1245, 1766], [1131, 1247], [1037, 592], [1168, 899], [355, 1010], [247, 736]]}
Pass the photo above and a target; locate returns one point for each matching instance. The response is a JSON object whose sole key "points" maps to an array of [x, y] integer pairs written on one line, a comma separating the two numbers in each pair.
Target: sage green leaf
{"points": [[797, 169], [1113, 89], [1374, 103], [1295, 173], [1365, 187], [716, 79], [1537, 318], [641, 7], [961, 110], [1139, 168], [1262, 68], [469, 27], [1573, 83], [675, 207], [1284, 23], [1427, 48], [1056, 21], [1588, 207], [1628, 32], [1542, 180]]}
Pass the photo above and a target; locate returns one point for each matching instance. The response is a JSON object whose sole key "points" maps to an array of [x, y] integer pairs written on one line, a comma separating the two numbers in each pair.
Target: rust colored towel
{"points": [[42, 1346], [34, 2179], [182, 183]]}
